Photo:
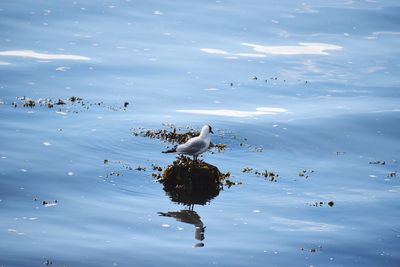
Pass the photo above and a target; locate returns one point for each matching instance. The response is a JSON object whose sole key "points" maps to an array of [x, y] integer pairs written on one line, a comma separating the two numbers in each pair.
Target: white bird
{"points": [[196, 145]]}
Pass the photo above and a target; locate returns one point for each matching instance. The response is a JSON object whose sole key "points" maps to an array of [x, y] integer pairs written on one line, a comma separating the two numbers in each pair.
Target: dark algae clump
{"points": [[192, 182]]}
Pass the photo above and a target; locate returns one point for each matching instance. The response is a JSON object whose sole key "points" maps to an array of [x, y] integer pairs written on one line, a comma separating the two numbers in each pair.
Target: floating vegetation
{"points": [[192, 182], [230, 183], [114, 173], [47, 262], [271, 176], [174, 135], [305, 173], [140, 168], [46, 203], [250, 147], [27, 102], [157, 174], [49, 203], [219, 147], [118, 168], [321, 204], [170, 136], [75, 98], [60, 102], [247, 170], [155, 167], [125, 165], [313, 250], [75, 101], [378, 162]]}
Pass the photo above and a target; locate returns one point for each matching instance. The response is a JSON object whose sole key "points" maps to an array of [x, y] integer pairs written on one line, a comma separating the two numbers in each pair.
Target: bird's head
{"points": [[206, 130]]}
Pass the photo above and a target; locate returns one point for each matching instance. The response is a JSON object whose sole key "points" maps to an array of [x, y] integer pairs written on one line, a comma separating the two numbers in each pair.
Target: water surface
{"points": [[290, 87]]}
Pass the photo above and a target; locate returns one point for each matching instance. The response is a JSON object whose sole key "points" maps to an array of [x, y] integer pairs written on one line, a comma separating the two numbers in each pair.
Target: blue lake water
{"points": [[295, 88]]}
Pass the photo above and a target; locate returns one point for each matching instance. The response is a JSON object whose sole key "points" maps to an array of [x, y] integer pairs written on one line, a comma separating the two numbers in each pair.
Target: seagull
{"points": [[196, 145]]}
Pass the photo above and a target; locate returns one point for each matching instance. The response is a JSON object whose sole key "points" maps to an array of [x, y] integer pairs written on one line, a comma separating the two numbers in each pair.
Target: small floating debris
{"points": [[60, 102], [47, 262], [27, 102], [126, 104], [114, 173], [105, 161], [392, 174], [75, 98], [378, 162], [157, 174], [155, 167], [230, 183], [140, 168], [247, 170], [219, 147], [125, 165], [338, 153], [321, 204], [272, 176], [313, 250], [305, 173], [49, 203]]}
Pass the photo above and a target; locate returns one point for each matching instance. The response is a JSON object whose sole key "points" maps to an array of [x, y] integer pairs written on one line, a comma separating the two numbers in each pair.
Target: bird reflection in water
{"points": [[190, 217]]}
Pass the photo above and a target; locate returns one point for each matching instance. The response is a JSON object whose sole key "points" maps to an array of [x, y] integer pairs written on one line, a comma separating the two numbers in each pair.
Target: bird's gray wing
{"points": [[194, 145]]}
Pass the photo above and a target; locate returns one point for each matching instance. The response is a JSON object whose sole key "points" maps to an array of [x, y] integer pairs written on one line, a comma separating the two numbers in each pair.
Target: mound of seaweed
{"points": [[192, 182]]}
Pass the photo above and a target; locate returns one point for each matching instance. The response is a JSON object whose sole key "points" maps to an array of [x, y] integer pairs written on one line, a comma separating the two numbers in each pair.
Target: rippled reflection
{"points": [[190, 217]]}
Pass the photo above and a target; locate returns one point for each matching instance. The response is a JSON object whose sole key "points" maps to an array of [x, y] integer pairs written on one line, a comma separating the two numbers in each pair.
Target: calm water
{"points": [[326, 101]]}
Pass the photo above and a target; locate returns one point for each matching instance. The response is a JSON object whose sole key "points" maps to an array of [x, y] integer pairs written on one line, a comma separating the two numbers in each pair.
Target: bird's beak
{"points": [[211, 132]]}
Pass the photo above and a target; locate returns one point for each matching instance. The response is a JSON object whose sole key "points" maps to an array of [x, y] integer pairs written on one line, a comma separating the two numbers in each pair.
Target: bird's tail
{"points": [[172, 150]]}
